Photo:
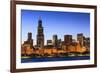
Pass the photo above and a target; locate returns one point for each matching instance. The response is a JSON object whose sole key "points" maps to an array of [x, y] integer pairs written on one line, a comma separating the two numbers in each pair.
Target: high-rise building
{"points": [[55, 41], [87, 42], [68, 39], [49, 42], [29, 40], [59, 43], [80, 39], [40, 35]]}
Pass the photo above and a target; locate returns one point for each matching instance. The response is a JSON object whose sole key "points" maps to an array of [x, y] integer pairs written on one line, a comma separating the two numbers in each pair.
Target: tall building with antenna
{"points": [[40, 34]]}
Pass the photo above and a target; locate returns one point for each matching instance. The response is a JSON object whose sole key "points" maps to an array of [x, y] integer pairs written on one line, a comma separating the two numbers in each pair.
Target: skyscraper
{"points": [[55, 41], [68, 39], [40, 35], [86, 42], [49, 42], [29, 40], [59, 43], [80, 38]]}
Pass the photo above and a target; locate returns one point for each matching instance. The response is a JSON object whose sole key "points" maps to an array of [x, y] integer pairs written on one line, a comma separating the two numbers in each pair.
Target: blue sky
{"points": [[60, 23]]}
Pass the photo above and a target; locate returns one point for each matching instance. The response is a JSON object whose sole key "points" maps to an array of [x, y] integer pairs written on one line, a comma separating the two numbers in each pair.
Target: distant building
{"points": [[49, 42], [27, 46], [59, 43], [86, 42], [26, 50], [55, 41], [29, 40], [80, 38], [68, 39], [40, 35]]}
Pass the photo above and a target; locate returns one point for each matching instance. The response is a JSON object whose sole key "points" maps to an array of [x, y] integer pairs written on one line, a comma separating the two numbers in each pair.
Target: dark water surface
{"points": [[28, 60]]}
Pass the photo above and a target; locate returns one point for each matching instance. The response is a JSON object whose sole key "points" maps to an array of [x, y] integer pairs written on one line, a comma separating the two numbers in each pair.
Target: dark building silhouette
{"points": [[59, 43], [80, 39], [29, 40], [68, 39], [40, 35], [55, 41], [86, 42]]}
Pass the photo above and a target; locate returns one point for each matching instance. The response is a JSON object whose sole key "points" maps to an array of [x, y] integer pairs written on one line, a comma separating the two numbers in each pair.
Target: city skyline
{"points": [[50, 22]]}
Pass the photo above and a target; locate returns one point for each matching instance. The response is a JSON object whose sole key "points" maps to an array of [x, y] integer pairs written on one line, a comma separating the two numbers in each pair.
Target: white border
{"points": [[20, 65]]}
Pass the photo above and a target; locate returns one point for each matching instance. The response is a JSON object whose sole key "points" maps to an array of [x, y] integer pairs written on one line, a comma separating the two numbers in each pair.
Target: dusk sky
{"points": [[60, 23]]}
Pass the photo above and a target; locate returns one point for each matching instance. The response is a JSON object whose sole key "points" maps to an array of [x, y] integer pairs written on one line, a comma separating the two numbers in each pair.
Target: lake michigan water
{"points": [[28, 60]]}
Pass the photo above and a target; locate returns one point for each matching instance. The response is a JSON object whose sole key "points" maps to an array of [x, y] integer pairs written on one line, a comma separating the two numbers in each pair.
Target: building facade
{"points": [[40, 35], [55, 40], [68, 39], [29, 40], [49, 42], [80, 39]]}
